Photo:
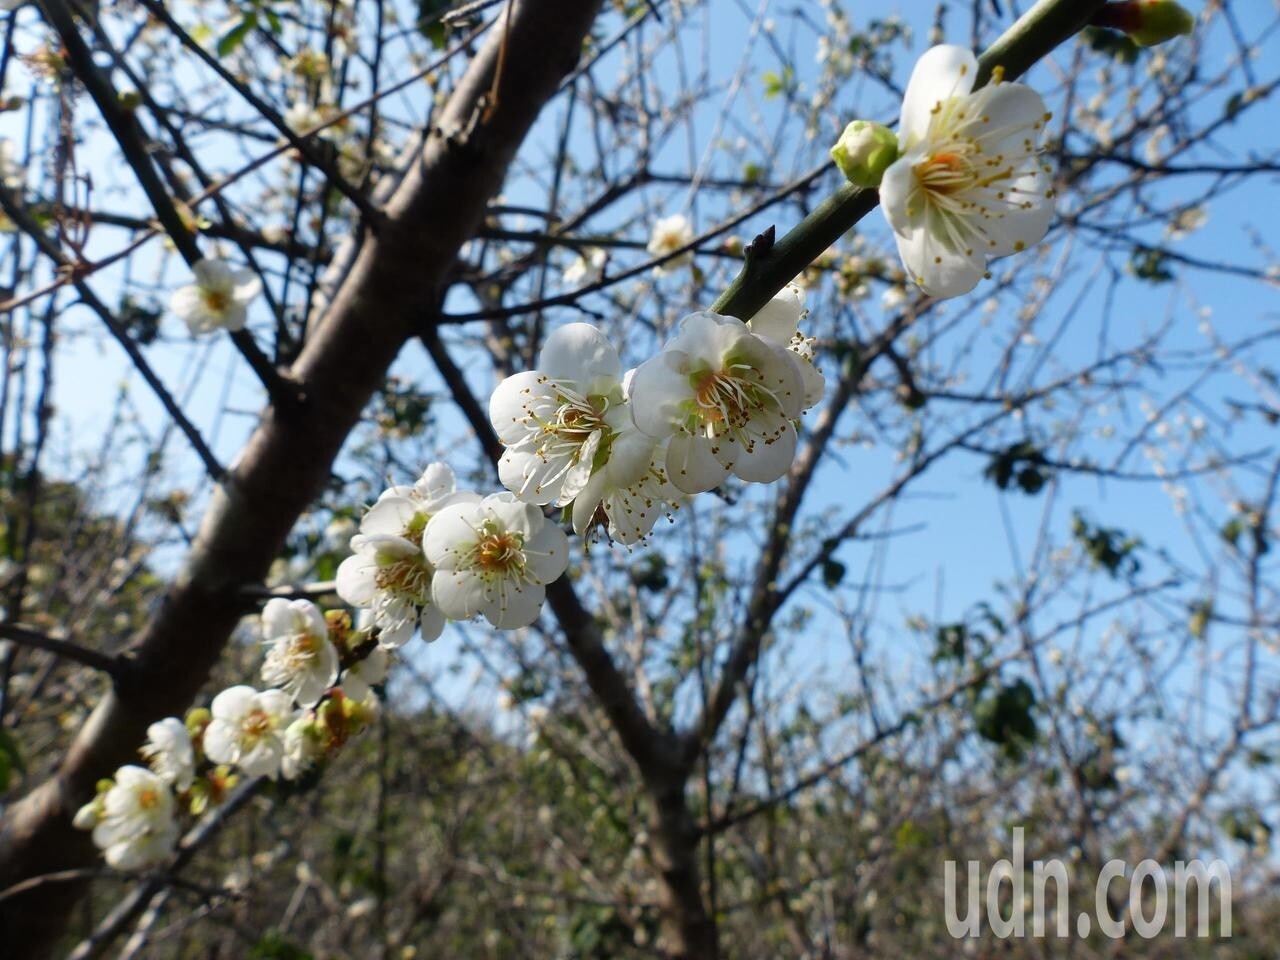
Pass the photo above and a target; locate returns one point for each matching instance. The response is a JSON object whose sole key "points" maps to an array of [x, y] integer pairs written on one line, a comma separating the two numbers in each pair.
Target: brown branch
{"points": [[27, 637], [379, 300]]}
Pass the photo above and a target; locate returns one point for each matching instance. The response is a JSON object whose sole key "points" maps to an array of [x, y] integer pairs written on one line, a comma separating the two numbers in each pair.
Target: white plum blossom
{"points": [[301, 659], [627, 506], [11, 173], [359, 679], [133, 822], [587, 267], [388, 573], [247, 729], [670, 234], [494, 558], [436, 488], [170, 753], [726, 397], [557, 421], [968, 184], [303, 746], [302, 118], [219, 298]]}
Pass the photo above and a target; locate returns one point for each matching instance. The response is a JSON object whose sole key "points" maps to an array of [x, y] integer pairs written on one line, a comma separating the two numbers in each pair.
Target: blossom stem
{"points": [[1035, 34]]}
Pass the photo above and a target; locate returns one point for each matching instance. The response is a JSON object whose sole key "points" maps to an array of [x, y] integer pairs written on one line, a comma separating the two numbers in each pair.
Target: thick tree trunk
{"points": [[687, 930], [393, 286]]}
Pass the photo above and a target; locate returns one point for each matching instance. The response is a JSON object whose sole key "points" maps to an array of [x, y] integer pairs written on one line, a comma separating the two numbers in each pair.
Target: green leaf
{"points": [[832, 573], [1022, 464], [1111, 43], [273, 946], [10, 759], [1107, 547], [778, 83], [1006, 718], [1150, 265], [231, 40], [950, 642]]}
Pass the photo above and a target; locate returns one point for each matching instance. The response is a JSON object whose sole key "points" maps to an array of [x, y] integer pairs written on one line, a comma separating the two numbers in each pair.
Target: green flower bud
{"points": [[1162, 20], [1147, 22], [864, 152], [197, 719]]}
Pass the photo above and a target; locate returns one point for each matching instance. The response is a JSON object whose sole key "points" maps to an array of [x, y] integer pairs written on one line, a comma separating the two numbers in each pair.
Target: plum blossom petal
{"points": [[388, 575], [247, 729], [670, 234], [300, 659], [779, 320], [134, 825]]}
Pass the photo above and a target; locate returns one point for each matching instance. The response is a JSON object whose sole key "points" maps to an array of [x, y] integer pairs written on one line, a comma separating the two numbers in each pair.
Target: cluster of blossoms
{"points": [[431, 552], [620, 450], [307, 711]]}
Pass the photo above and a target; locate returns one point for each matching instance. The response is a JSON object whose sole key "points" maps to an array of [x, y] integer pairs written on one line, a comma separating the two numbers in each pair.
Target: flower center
{"points": [[408, 578], [575, 419], [256, 725], [303, 648], [414, 528], [148, 798], [724, 400], [946, 173], [500, 552], [216, 300]]}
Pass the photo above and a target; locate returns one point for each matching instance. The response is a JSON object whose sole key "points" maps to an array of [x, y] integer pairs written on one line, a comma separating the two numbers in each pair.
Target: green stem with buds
{"points": [[771, 266]]}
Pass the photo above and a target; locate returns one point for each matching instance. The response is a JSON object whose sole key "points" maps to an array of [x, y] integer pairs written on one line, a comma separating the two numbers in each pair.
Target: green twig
{"points": [[1035, 34]]}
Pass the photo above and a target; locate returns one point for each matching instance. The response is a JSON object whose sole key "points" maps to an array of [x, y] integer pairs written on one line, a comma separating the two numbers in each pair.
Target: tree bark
{"points": [[392, 288], [688, 932]]}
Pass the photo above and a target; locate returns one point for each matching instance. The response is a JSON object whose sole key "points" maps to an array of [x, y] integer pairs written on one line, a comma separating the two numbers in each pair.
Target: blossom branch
{"points": [[641, 739], [50, 249]]}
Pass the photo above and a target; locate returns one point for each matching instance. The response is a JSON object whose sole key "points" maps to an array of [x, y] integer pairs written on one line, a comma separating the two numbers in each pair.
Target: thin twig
{"points": [[27, 637]]}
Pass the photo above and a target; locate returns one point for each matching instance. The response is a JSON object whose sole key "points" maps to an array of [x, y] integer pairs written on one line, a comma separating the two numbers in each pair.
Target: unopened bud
{"points": [[864, 152], [197, 719], [1147, 22]]}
